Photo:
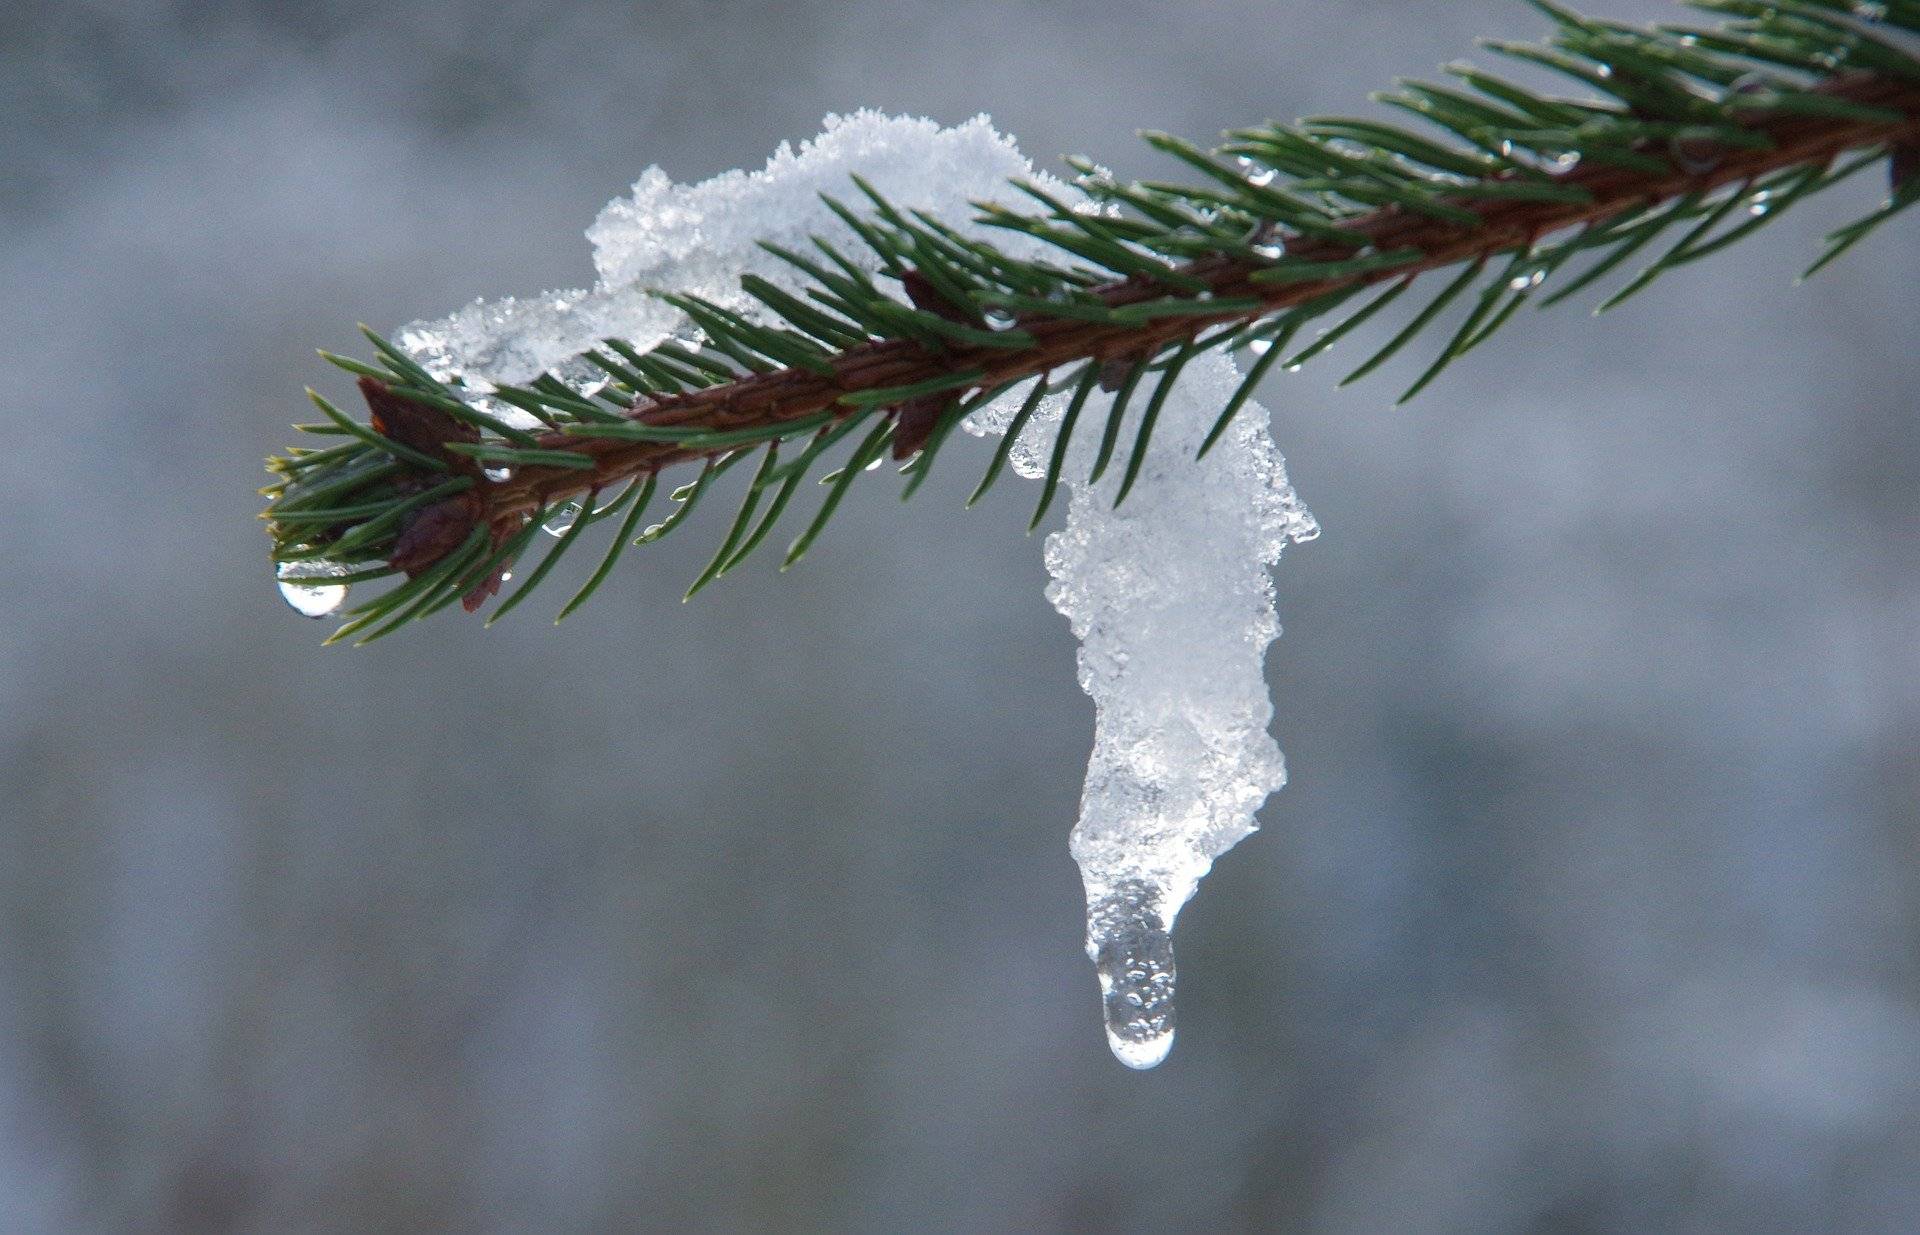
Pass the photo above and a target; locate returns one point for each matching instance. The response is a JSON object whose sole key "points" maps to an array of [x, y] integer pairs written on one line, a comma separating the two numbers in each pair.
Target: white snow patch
{"points": [[700, 238]]}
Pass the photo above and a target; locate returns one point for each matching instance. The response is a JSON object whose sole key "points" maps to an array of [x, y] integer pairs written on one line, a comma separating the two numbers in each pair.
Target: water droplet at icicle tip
{"points": [[1130, 939], [304, 586]]}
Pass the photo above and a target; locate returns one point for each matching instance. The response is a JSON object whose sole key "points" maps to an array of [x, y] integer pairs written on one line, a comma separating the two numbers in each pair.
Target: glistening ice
{"points": [[1170, 596]]}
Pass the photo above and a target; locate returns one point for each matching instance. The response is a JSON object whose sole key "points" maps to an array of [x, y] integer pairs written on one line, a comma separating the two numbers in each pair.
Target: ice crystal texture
{"points": [[1172, 600], [1170, 596], [700, 238]]}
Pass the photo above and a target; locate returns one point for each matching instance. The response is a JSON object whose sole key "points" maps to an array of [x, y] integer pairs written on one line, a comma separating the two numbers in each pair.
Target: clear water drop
{"points": [[999, 319], [1566, 160], [498, 475], [1695, 155], [875, 464], [303, 586], [1262, 178], [1260, 347], [1270, 251], [564, 516], [1524, 281], [1130, 939]]}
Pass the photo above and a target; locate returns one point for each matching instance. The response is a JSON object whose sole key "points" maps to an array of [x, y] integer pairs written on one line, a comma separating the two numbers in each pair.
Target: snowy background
{"points": [[1591, 907]]}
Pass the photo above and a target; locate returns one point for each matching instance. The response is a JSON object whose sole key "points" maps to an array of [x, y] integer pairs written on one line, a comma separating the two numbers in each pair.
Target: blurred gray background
{"points": [[1591, 906]]}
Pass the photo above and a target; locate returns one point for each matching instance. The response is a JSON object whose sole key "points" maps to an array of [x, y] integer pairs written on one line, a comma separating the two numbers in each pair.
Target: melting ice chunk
{"points": [[1170, 596], [1173, 604]]}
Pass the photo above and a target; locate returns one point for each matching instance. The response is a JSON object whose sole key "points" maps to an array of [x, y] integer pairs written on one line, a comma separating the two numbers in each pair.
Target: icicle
{"points": [[1172, 601], [1169, 596]]}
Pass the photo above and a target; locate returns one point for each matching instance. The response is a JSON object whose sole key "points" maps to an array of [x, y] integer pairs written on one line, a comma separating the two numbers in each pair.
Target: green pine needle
{"points": [[1695, 138]]}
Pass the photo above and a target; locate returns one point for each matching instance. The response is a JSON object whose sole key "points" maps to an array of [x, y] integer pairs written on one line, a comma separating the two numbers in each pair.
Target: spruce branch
{"points": [[1703, 134]]}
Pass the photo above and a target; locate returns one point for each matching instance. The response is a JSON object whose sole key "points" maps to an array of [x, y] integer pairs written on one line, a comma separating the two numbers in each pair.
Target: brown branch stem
{"points": [[767, 399]]}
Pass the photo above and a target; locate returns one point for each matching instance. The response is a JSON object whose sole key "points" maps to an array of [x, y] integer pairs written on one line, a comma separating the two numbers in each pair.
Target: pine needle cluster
{"points": [[1680, 142]]}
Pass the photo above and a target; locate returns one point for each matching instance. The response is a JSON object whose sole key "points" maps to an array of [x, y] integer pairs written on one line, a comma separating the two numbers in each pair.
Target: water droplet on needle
{"points": [[563, 517], [303, 586]]}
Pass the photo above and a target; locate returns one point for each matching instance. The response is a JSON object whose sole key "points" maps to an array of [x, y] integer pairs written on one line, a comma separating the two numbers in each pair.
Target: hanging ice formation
{"points": [[1173, 604], [1170, 596]]}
